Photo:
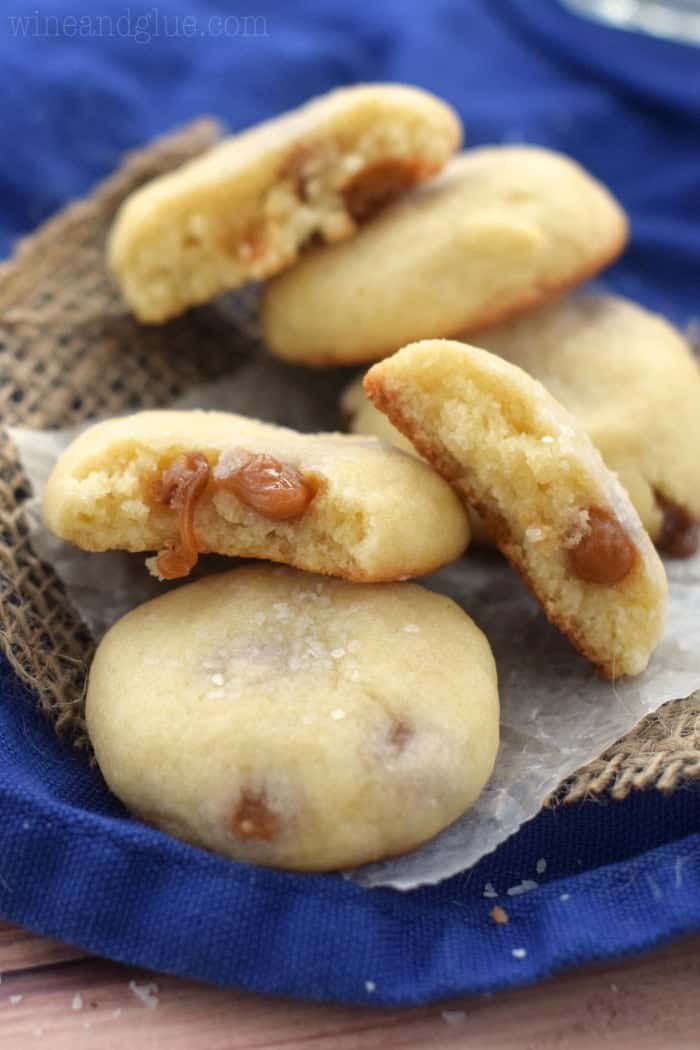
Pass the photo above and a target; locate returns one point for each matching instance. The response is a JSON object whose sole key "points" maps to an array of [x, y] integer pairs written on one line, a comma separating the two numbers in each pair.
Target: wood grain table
{"points": [[60, 997]]}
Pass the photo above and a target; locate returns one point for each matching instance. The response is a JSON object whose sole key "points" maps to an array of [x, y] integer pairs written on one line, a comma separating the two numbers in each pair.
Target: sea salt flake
{"points": [[519, 953], [534, 534], [453, 1016], [522, 887], [541, 866], [77, 1002], [490, 890], [146, 993]]}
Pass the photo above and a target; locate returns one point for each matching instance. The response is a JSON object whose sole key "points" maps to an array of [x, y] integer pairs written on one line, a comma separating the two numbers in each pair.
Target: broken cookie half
{"points": [[185, 483], [555, 510], [246, 208]]}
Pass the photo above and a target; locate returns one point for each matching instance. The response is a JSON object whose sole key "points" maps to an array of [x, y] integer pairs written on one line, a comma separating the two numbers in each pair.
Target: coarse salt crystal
{"points": [[14, 999], [370, 986], [337, 714], [77, 1002], [547, 439], [564, 896], [519, 953], [534, 534], [217, 679], [411, 628], [337, 654], [490, 890]]}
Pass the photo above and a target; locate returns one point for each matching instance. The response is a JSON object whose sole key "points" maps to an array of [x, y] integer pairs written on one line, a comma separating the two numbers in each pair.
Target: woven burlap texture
{"points": [[70, 351]]}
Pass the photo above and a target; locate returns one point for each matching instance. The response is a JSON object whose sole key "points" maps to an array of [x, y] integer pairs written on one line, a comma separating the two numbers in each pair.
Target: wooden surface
{"points": [[60, 997]]}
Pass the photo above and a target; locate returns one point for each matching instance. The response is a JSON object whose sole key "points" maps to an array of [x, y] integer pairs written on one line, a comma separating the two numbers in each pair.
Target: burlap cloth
{"points": [[69, 351]]}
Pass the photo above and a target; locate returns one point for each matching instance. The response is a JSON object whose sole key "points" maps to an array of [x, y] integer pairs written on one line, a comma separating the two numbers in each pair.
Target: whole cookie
{"points": [[294, 721], [185, 483], [502, 229], [245, 209], [632, 381], [553, 507]]}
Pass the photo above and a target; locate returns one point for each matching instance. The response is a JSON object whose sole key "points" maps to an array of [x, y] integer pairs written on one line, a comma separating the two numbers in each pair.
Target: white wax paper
{"points": [[557, 714]]}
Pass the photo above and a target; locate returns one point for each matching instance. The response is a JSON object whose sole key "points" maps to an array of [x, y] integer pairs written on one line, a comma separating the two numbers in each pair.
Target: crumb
{"points": [[522, 887], [499, 915], [147, 993]]}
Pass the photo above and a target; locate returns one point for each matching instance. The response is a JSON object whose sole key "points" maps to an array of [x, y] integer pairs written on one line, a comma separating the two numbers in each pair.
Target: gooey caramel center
{"points": [[604, 554]]}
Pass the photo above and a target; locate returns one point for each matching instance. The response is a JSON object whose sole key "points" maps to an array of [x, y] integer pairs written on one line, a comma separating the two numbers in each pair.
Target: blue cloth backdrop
{"points": [[76, 93]]}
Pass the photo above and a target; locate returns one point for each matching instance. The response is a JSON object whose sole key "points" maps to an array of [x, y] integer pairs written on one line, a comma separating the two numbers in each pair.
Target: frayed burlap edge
{"points": [[69, 351]]}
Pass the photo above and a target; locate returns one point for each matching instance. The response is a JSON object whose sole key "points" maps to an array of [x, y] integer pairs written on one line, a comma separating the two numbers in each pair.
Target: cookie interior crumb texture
{"points": [[364, 511], [300, 723], [502, 229], [248, 207], [555, 510]]}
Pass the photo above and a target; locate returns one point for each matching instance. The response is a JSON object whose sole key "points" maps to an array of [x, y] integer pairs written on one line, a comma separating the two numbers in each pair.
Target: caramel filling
{"points": [[377, 183], [680, 532], [400, 732], [179, 487], [276, 490], [605, 554], [253, 819]]}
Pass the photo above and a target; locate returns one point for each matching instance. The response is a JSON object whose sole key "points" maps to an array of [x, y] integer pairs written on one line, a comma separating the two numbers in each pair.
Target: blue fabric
{"points": [[620, 876]]}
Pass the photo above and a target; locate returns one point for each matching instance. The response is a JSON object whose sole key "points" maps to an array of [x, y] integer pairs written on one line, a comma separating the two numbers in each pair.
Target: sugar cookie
{"points": [[554, 509], [246, 208], [182, 483], [502, 229], [295, 721]]}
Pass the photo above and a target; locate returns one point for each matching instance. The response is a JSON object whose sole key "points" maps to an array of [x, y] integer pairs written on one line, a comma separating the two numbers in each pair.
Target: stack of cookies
{"points": [[321, 712]]}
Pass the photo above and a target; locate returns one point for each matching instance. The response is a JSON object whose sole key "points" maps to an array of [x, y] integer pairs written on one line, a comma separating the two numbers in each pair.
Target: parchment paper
{"points": [[557, 715]]}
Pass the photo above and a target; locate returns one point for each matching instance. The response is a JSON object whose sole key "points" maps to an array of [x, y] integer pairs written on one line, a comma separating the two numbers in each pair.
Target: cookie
{"points": [[295, 721], [182, 483], [246, 208], [632, 381], [501, 229], [553, 507]]}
